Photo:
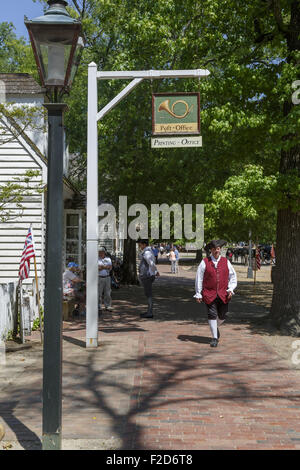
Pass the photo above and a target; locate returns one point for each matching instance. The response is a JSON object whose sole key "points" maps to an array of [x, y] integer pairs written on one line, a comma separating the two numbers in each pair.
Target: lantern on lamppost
{"points": [[56, 42]]}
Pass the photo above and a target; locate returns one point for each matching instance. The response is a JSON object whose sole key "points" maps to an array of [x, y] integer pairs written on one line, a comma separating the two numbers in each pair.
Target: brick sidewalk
{"points": [[157, 384]]}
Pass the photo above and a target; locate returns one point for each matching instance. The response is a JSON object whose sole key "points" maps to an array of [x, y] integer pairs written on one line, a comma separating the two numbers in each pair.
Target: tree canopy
{"points": [[15, 53], [247, 172], [242, 117]]}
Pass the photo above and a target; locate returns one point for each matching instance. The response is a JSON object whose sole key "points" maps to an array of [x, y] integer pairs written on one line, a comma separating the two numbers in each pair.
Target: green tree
{"points": [[251, 48], [243, 204], [15, 53]]}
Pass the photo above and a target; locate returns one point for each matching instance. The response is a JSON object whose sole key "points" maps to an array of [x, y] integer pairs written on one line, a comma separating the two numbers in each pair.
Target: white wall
{"points": [[15, 160]]}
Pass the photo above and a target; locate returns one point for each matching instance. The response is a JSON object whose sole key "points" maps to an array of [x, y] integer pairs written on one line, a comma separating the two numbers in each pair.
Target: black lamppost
{"points": [[56, 43]]}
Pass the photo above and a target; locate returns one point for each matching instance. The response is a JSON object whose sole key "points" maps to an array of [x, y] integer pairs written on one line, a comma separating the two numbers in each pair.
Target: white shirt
{"points": [[149, 267], [68, 276], [104, 262], [232, 282]]}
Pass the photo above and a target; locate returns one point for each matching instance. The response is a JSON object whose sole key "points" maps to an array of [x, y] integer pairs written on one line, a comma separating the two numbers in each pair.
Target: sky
{"points": [[14, 10]]}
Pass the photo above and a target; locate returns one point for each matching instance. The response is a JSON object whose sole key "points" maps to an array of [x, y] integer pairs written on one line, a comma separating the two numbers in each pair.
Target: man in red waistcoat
{"points": [[215, 283]]}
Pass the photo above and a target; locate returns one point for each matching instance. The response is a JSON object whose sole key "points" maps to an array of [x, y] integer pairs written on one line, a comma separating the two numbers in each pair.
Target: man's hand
{"points": [[229, 295], [199, 301]]}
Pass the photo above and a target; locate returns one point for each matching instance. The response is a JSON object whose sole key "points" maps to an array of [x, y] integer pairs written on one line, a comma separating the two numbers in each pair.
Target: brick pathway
{"points": [[157, 384]]}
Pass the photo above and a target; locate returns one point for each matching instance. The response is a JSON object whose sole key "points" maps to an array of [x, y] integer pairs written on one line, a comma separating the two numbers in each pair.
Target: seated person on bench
{"points": [[71, 283]]}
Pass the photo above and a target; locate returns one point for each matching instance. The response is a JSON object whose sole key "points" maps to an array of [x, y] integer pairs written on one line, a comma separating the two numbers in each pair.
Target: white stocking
{"points": [[213, 328]]}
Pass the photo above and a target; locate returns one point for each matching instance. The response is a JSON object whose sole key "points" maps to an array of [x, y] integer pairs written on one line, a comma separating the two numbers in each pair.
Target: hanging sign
{"points": [[169, 142], [175, 114]]}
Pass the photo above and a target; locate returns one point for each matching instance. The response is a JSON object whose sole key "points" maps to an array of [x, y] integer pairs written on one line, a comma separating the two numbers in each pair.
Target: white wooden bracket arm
{"points": [[153, 74], [118, 98]]}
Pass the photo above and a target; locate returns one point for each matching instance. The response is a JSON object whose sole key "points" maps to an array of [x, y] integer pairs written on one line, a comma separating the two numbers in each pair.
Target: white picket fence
{"points": [[10, 304]]}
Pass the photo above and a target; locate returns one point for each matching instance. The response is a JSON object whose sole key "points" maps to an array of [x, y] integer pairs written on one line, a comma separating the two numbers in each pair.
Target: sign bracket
{"points": [[137, 76]]}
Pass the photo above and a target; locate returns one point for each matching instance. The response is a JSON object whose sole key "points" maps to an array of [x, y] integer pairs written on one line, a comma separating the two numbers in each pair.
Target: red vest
{"points": [[215, 281]]}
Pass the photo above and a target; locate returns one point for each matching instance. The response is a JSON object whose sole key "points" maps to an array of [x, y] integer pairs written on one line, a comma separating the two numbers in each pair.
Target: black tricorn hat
{"points": [[215, 244]]}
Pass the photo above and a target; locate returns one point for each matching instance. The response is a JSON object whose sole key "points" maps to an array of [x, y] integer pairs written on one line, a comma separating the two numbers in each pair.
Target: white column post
{"points": [[92, 213]]}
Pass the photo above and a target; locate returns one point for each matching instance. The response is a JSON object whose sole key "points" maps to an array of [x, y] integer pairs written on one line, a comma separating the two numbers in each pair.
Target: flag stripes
{"points": [[28, 253], [257, 258]]}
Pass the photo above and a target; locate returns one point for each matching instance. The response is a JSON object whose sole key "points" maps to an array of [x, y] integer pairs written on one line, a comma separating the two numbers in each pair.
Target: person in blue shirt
{"points": [[155, 252]]}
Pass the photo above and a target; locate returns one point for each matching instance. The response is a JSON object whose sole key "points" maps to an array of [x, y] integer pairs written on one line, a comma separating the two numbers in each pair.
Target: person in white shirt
{"points": [[215, 283], [172, 258], [177, 259], [70, 278], [104, 267]]}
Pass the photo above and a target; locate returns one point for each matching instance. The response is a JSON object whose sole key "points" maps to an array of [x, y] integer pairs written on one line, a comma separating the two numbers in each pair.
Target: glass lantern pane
{"points": [[76, 60], [55, 60], [56, 63], [53, 45], [44, 57]]}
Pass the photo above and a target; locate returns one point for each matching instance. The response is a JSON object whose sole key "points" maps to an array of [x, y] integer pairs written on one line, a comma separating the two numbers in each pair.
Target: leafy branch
{"points": [[28, 118], [13, 193]]}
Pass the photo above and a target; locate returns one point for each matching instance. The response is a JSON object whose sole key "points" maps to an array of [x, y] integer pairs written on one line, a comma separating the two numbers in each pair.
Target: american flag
{"points": [[257, 256], [28, 252]]}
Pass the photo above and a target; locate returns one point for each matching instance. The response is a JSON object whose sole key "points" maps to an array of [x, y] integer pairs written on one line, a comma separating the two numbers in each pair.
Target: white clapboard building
{"points": [[22, 150]]}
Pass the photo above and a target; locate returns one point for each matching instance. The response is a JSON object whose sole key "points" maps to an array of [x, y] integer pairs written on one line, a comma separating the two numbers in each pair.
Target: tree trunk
{"points": [[285, 310], [129, 262]]}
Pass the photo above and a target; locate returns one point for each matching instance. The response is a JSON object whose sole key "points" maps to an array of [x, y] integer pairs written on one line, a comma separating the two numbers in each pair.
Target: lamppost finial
{"points": [[57, 7], [62, 2]]}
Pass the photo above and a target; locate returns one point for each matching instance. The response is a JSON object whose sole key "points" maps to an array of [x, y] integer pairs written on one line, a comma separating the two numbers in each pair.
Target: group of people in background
{"points": [[74, 284], [73, 287], [215, 281], [171, 252], [240, 254]]}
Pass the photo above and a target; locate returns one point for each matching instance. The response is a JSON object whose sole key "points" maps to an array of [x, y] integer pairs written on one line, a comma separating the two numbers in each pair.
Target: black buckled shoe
{"points": [[146, 315], [214, 343]]}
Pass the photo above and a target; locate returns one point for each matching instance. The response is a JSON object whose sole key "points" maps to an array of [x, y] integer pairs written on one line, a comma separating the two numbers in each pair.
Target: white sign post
{"points": [[137, 76]]}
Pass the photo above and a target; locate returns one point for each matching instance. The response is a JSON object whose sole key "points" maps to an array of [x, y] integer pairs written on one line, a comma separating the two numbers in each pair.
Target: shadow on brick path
{"points": [[156, 384], [26, 438]]}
